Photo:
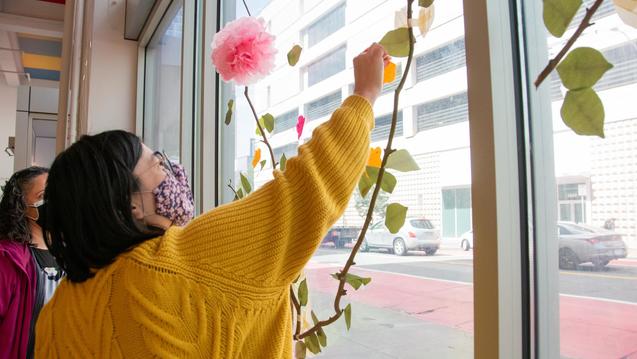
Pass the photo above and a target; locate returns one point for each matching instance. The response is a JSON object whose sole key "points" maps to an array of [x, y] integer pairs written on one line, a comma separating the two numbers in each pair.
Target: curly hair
{"points": [[13, 222]]}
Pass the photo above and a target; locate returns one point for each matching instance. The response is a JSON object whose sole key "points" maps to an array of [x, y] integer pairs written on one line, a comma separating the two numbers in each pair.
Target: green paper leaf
{"points": [[294, 54], [303, 292], [388, 183], [300, 350], [314, 317], [582, 68], [283, 162], [245, 183], [262, 165], [240, 193], [322, 337], [583, 112], [348, 316], [558, 15], [267, 122], [356, 281], [402, 161], [395, 218], [369, 178], [425, 3], [335, 276], [312, 343], [229, 111], [365, 183], [396, 42]]}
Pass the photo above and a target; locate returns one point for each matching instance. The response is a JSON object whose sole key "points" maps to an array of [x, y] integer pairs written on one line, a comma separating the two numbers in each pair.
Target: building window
{"points": [[389, 87], [442, 112], [327, 66], [286, 121], [605, 9], [290, 150], [441, 60], [572, 202], [162, 98], [556, 86], [326, 25], [456, 211], [624, 71], [383, 125], [323, 106]]}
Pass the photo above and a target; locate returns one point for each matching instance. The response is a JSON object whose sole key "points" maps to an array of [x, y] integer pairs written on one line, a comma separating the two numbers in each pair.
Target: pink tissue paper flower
{"points": [[243, 51], [300, 123]]}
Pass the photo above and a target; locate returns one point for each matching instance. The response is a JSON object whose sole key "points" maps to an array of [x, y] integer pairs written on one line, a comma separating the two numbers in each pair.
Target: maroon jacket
{"points": [[17, 296]]}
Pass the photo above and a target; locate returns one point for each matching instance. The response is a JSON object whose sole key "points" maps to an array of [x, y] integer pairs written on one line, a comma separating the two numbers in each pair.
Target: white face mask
{"points": [[36, 205]]}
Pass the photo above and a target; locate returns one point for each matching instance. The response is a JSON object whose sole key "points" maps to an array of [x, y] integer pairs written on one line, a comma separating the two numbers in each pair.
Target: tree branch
{"points": [[580, 29], [246, 6], [370, 212], [265, 138]]}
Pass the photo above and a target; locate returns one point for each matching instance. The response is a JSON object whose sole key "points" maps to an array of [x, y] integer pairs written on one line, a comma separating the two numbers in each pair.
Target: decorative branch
{"points": [[580, 29], [246, 6], [370, 212], [232, 188], [297, 310], [256, 118]]}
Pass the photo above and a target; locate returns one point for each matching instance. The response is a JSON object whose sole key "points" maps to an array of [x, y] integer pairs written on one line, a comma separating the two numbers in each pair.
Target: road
{"points": [[425, 303]]}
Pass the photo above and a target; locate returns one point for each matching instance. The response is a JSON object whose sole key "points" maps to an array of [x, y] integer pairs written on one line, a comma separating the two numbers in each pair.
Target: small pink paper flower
{"points": [[243, 51], [300, 123]]}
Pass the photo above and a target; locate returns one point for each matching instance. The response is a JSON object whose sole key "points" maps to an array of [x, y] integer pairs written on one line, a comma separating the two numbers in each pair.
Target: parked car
{"points": [[581, 243], [416, 234], [466, 242], [340, 236]]}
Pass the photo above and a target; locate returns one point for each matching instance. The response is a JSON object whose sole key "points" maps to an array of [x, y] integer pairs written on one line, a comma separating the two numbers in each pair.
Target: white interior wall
{"points": [[8, 103], [113, 71]]}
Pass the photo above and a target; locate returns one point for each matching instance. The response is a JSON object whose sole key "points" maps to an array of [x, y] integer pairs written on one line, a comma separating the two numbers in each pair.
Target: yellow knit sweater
{"points": [[218, 287]]}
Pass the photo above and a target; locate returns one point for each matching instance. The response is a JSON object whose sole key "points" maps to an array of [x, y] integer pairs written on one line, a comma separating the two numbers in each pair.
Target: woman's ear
{"points": [[137, 208]]}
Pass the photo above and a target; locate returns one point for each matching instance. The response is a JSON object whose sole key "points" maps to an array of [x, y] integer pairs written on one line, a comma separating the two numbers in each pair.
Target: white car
{"points": [[467, 240], [416, 234]]}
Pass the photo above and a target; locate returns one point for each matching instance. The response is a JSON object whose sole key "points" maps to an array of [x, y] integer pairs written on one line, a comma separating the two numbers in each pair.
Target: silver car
{"points": [[581, 243], [416, 234]]}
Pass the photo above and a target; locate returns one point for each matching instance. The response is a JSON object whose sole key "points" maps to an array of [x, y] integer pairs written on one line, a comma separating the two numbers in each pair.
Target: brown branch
{"points": [[370, 212], [265, 138], [232, 188], [246, 6], [297, 309], [580, 29]]}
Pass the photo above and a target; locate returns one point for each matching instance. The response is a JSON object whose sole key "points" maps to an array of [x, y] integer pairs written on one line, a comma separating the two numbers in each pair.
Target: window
{"points": [[325, 67], [383, 125], [435, 278], [572, 201], [326, 25], [286, 121], [624, 72], [162, 94], [441, 60], [323, 106], [442, 112], [605, 9]]}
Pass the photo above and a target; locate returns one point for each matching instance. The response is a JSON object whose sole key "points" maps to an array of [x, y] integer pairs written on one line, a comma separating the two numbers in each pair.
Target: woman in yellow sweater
{"points": [[139, 286]]}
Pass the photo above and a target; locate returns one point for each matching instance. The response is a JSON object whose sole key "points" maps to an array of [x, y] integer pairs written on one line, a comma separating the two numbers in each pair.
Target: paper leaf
{"points": [[387, 184], [322, 337], [348, 316], [262, 165], [582, 68], [395, 217], [300, 350], [365, 183], [558, 15], [282, 162], [583, 112], [627, 11], [294, 54], [402, 161], [426, 19], [314, 317], [303, 293], [312, 343], [356, 281], [425, 3], [229, 111], [245, 183], [396, 42], [256, 158], [300, 124], [267, 122], [240, 193], [389, 74], [374, 159]]}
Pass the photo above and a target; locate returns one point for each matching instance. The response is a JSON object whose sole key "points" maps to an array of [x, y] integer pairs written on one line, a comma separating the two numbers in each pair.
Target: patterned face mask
{"points": [[173, 198]]}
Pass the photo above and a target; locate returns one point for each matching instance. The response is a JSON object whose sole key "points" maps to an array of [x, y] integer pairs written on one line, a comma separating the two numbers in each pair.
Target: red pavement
{"points": [[589, 328]]}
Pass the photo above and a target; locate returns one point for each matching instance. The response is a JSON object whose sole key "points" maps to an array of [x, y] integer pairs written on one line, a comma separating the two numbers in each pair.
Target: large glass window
{"points": [[162, 84], [420, 302], [593, 237]]}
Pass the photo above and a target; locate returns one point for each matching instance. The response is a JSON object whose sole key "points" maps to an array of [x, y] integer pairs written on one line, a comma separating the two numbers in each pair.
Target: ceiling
{"points": [[30, 41]]}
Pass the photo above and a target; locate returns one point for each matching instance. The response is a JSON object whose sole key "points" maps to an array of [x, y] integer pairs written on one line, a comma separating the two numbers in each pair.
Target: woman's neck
{"points": [[37, 237]]}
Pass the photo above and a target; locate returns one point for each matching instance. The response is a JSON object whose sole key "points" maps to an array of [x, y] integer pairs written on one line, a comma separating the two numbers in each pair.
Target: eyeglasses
{"points": [[164, 161]]}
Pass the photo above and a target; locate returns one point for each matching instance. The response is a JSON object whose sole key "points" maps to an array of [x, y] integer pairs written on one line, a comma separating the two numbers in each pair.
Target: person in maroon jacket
{"points": [[28, 272]]}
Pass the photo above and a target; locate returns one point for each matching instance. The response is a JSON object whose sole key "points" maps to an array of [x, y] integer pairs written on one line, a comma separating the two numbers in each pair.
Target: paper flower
{"points": [[424, 21], [256, 158], [627, 11], [243, 51], [300, 123], [374, 157]]}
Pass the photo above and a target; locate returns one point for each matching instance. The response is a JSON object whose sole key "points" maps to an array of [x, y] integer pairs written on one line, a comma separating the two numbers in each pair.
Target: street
{"points": [[422, 306]]}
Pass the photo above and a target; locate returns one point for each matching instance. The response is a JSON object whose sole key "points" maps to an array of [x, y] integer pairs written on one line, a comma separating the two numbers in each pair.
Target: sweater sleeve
{"points": [[8, 276], [270, 235]]}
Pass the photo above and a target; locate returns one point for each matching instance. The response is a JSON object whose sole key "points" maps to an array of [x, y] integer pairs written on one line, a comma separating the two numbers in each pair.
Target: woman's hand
{"points": [[368, 72]]}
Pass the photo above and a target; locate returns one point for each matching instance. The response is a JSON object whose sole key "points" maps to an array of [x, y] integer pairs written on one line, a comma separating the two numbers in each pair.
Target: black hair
{"points": [[88, 218], [14, 224]]}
